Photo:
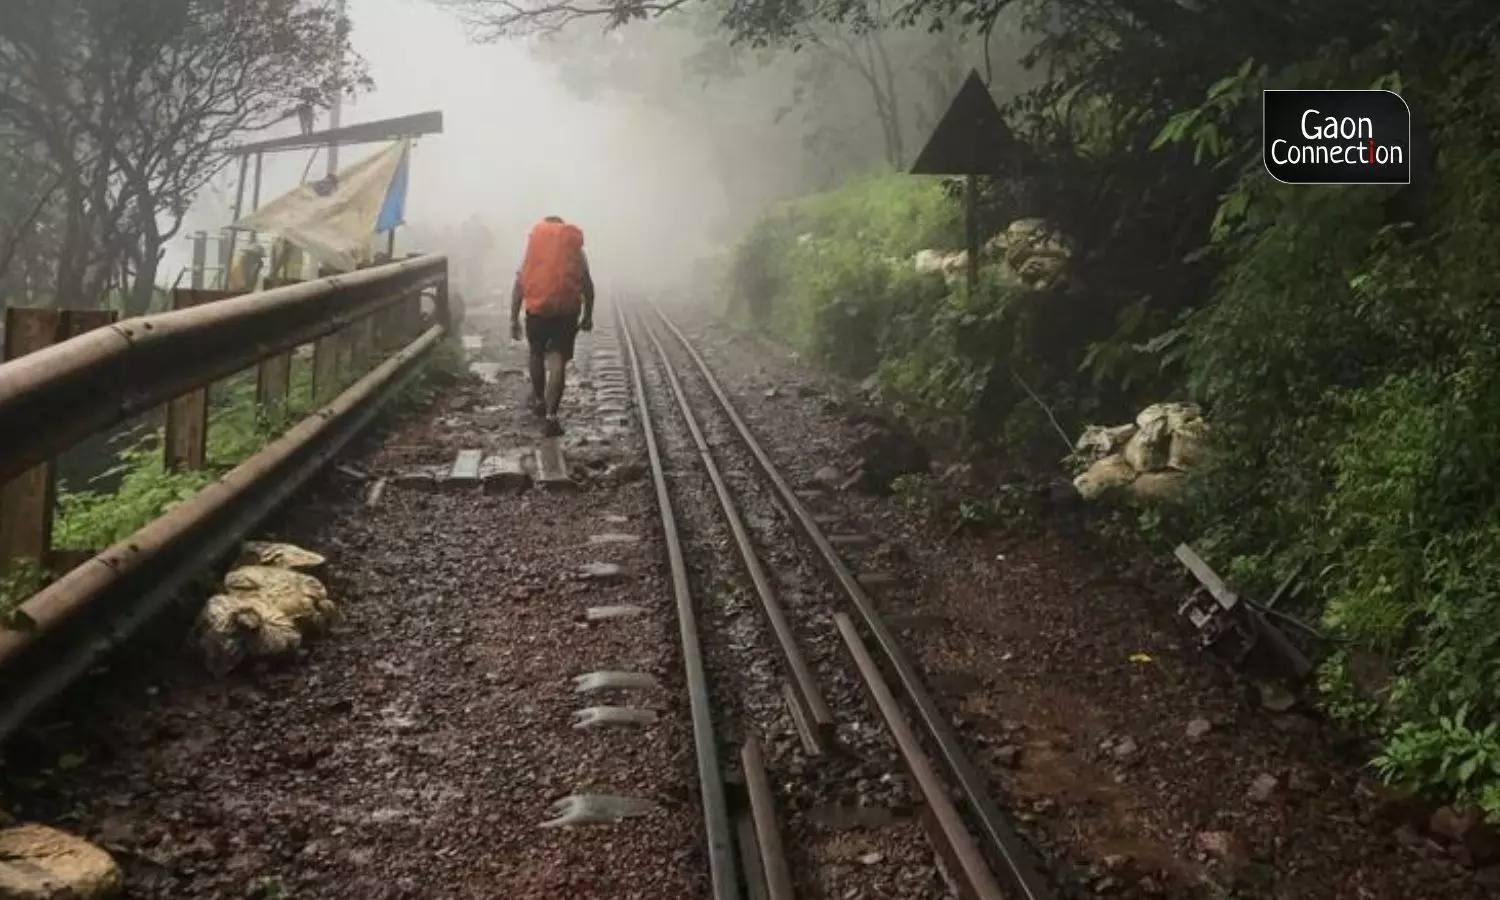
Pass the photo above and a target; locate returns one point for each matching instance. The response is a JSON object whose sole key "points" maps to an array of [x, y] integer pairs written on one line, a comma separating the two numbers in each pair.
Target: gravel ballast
{"points": [[414, 751]]}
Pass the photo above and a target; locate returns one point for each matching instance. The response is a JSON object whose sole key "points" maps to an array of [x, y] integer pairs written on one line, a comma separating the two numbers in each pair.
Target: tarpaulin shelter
{"points": [[335, 219]]}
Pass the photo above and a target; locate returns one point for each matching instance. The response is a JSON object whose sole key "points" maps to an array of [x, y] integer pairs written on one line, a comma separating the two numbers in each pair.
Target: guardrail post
{"points": [[344, 339], [186, 443], [273, 376], [361, 341], [28, 501], [325, 363], [441, 308]]}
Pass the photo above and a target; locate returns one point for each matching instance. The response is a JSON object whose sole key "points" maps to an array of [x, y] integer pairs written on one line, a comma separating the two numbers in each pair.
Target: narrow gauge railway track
{"points": [[976, 845]]}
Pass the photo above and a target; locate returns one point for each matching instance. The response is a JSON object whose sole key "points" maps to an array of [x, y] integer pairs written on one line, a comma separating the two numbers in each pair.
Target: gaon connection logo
{"points": [[1337, 137]]}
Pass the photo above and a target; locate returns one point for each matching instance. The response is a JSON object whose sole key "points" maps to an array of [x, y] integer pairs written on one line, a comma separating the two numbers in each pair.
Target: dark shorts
{"points": [[552, 334]]}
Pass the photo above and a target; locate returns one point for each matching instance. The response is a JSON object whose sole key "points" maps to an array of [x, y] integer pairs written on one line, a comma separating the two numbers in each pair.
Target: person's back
{"points": [[553, 285]]}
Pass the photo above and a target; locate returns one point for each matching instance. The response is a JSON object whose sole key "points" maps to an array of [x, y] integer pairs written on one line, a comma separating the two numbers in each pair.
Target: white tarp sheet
{"points": [[336, 226]]}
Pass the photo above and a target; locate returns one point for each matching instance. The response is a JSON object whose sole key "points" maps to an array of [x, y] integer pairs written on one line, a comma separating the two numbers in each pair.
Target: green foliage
{"points": [[1348, 360], [1459, 759], [840, 264], [1342, 339], [20, 581]]}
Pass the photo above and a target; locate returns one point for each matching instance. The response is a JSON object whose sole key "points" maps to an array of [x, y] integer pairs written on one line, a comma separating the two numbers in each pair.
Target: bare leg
{"points": [[556, 366], [538, 379]]}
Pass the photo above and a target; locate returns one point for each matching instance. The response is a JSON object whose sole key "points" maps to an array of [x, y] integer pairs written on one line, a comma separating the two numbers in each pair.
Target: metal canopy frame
{"points": [[415, 125]]}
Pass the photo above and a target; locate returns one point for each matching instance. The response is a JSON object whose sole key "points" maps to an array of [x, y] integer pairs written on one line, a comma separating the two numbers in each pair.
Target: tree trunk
{"points": [[143, 290]]}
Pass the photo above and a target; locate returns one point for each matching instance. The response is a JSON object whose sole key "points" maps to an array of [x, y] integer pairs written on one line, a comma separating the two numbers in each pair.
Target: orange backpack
{"points": [[552, 274]]}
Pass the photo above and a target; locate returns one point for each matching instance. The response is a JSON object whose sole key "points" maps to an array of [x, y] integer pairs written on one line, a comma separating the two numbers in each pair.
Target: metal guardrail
{"points": [[53, 397]]}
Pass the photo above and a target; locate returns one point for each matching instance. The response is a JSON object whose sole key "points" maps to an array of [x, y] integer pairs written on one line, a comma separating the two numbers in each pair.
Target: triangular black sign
{"points": [[970, 139]]}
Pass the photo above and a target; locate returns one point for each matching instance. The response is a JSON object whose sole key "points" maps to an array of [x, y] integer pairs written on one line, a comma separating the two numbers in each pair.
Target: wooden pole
{"points": [[971, 229]]}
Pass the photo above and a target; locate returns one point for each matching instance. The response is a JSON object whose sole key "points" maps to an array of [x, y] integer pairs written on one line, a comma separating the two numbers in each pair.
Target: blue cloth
{"points": [[393, 210]]}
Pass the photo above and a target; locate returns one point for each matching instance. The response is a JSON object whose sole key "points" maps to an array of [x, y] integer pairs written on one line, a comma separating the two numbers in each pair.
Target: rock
{"points": [[1176, 414], [1451, 824], [771, 393], [282, 556], [1198, 728], [1301, 781], [1483, 844], [1221, 845], [828, 477], [1008, 756], [1115, 862], [1100, 440], [1152, 488], [1150, 447], [1189, 445], [265, 612], [871, 859], [1264, 787], [1274, 697], [1029, 239], [862, 482], [1125, 748], [41, 863], [888, 451], [1104, 476]]}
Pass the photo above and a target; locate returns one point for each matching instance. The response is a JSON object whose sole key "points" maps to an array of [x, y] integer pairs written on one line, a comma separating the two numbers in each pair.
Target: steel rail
{"points": [[957, 844], [722, 864], [1003, 842], [97, 605], [775, 868], [809, 695], [55, 397]]}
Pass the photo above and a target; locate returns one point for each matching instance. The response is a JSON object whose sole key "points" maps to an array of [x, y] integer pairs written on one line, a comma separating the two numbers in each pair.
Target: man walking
{"points": [[554, 286]]}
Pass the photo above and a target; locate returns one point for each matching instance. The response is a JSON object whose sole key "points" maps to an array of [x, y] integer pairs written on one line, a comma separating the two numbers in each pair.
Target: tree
{"points": [[134, 104]]}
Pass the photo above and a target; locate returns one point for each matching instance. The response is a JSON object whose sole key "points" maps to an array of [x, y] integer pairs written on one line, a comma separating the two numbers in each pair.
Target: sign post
{"points": [[971, 139]]}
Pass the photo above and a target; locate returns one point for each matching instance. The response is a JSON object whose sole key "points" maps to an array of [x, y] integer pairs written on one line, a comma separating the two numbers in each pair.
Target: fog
{"points": [[517, 145], [616, 133]]}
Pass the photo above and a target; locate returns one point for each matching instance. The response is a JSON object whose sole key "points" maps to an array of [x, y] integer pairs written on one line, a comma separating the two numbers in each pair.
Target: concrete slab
{"points": [[623, 611], [504, 473], [596, 809], [876, 580], [614, 537], [600, 716], [488, 372], [614, 681], [552, 466], [601, 571], [466, 466]]}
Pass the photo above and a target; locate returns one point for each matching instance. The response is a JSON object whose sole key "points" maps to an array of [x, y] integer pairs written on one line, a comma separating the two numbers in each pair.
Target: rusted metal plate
{"points": [[971, 138]]}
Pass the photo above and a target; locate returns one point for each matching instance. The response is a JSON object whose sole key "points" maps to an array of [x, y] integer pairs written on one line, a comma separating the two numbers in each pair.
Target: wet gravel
{"points": [[414, 751], [1138, 766], [846, 815]]}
